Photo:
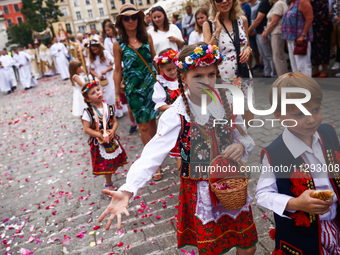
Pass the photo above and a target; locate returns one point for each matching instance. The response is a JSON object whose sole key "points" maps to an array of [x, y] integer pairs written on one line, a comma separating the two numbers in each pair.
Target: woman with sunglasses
{"points": [[164, 34], [136, 51], [227, 14]]}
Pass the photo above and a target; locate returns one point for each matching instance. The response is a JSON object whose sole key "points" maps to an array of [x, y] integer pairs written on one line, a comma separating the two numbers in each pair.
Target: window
{"points": [[90, 14], [9, 23], [131, 1], [6, 11], [19, 19], [78, 15], [113, 6], [101, 12], [123, 1], [99, 1], [155, 1], [93, 26], [140, 2], [148, 1], [82, 29], [61, 1], [88, 2], [16, 8], [75, 3], [68, 27], [64, 11]]}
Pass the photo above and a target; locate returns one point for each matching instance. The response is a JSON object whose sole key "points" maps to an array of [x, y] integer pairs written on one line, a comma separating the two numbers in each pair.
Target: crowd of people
{"points": [[145, 65]]}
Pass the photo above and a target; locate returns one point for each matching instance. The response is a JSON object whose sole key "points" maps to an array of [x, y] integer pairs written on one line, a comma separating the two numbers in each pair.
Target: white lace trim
{"points": [[106, 155], [173, 85], [207, 212]]}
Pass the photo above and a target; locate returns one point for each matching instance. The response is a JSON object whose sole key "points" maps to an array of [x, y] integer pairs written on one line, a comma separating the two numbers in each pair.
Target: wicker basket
{"points": [[100, 141], [236, 198]]}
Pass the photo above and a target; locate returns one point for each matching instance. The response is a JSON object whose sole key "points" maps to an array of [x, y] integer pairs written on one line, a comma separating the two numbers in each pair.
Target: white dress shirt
{"points": [[266, 191]]}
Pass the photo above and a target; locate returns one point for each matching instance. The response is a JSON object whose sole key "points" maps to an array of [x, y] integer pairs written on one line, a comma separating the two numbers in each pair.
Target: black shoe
{"points": [[14, 88], [132, 129], [9, 92]]}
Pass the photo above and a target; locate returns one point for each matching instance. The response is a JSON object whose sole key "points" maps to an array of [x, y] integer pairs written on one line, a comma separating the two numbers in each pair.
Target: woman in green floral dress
{"points": [[138, 79]]}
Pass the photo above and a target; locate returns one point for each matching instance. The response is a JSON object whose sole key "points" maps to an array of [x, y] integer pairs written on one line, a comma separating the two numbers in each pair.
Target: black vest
{"points": [[199, 145], [290, 238]]}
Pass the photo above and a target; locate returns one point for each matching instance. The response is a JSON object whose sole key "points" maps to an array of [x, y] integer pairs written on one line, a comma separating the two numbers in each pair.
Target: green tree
{"points": [[38, 14], [20, 34]]}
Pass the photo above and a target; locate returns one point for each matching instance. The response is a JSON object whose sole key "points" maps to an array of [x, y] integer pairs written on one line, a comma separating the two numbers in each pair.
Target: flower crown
{"points": [[90, 86], [167, 57], [204, 55]]}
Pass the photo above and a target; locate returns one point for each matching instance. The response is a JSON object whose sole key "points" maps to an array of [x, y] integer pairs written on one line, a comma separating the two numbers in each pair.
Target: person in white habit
{"points": [[8, 63], [5, 86], [22, 60], [60, 52]]}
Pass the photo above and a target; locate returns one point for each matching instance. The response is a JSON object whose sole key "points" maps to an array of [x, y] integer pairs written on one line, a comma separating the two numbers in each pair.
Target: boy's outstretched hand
{"points": [[118, 205], [308, 204]]}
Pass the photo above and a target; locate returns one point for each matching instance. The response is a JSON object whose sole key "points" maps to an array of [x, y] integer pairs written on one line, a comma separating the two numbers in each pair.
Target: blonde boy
{"points": [[310, 150]]}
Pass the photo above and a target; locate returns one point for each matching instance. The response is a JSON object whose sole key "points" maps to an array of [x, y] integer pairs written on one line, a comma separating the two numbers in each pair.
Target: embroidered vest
{"points": [[292, 239], [109, 122], [171, 95], [199, 145]]}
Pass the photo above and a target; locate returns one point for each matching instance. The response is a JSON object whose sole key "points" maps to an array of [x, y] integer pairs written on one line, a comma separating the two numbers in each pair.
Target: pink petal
{"points": [[24, 251], [66, 240]]}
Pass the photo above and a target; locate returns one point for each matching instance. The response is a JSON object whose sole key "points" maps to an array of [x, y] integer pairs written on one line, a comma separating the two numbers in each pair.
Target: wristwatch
{"points": [[214, 36]]}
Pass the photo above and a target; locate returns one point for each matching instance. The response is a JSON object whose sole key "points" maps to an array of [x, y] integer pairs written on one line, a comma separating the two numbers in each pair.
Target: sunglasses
{"points": [[132, 17]]}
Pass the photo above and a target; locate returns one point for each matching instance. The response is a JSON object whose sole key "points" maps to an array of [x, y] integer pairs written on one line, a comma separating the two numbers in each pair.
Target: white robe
{"points": [[8, 63], [25, 75], [5, 86], [60, 52]]}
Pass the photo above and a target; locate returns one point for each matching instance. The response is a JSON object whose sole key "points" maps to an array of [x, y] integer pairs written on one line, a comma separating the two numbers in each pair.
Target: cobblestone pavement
{"points": [[50, 202]]}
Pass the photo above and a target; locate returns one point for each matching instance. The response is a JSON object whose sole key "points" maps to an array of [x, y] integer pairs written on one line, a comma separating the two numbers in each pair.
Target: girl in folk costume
{"points": [[202, 221], [78, 81], [101, 67], [100, 123], [166, 91]]}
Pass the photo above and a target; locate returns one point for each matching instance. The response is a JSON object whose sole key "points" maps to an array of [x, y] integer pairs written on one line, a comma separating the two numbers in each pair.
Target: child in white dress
{"points": [[166, 91], [78, 81]]}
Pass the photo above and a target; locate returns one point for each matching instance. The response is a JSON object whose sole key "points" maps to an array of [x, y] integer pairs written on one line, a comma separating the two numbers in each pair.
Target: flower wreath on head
{"points": [[90, 86], [167, 57], [204, 55]]}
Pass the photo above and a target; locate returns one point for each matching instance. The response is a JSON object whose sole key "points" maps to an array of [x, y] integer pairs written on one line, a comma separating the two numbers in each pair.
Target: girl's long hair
{"points": [[187, 50], [142, 35], [100, 53], [72, 68], [166, 25], [203, 11], [110, 25]]}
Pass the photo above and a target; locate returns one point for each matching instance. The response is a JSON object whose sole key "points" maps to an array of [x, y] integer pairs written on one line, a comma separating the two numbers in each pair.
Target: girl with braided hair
{"points": [[100, 123], [202, 221]]}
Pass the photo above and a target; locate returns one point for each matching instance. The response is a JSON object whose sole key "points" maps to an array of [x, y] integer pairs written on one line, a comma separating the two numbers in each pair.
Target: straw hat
{"points": [[129, 10]]}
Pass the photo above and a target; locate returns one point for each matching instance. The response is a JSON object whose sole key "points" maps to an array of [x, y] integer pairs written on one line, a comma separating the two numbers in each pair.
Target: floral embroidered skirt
{"points": [[101, 165], [211, 238]]}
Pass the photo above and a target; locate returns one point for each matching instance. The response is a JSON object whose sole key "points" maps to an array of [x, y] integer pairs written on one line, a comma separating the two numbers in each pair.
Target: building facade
{"points": [[3, 33], [11, 11], [83, 15]]}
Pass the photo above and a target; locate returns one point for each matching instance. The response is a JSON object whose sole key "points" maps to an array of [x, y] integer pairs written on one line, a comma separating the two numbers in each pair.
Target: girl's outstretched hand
{"points": [[118, 205], [234, 152]]}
